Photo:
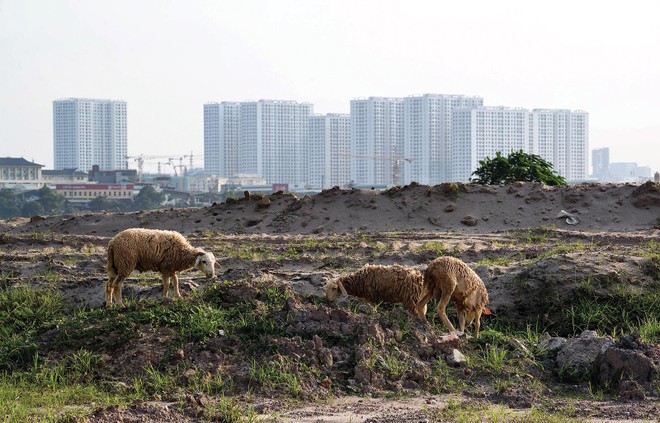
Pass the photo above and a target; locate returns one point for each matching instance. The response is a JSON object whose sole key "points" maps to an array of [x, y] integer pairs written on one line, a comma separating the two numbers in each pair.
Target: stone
{"points": [[455, 358], [617, 364], [576, 358], [629, 390], [469, 221]]}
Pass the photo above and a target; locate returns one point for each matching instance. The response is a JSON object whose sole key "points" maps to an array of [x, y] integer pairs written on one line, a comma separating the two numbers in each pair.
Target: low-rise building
{"points": [[64, 176], [18, 173], [86, 192]]}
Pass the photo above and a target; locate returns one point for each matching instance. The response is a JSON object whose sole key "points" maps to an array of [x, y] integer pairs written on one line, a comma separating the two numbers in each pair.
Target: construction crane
{"points": [[140, 162], [396, 163]]}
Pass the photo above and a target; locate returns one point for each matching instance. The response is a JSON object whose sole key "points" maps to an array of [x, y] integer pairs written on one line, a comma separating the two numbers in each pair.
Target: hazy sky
{"points": [[167, 58]]}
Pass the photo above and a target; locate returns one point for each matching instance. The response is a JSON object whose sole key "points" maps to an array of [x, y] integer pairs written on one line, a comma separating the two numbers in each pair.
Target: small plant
{"points": [[435, 246]]}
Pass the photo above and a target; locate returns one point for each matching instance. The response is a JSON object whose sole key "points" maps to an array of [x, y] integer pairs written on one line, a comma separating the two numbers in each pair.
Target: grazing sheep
{"points": [[450, 278], [167, 252], [375, 283]]}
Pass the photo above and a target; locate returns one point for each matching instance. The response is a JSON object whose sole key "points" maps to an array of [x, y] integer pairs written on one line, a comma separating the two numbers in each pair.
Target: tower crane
{"points": [[140, 162]]}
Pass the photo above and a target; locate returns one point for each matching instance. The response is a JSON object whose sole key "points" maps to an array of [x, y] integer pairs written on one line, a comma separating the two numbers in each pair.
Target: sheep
{"points": [[451, 278], [167, 252], [377, 283]]}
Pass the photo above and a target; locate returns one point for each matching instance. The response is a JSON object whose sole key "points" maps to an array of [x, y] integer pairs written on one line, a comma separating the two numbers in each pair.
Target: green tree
{"points": [[32, 208], [148, 198], [99, 203], [51, 202], [517, 166], [8, 204]]}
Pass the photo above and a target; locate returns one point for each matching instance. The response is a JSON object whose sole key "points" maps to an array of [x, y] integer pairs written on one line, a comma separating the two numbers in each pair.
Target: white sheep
{"points": [[376, 283], [167, 252], [450, 278]]}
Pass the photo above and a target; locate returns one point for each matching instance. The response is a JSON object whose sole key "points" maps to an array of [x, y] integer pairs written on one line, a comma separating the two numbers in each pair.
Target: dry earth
{"points": [[401, 225]]}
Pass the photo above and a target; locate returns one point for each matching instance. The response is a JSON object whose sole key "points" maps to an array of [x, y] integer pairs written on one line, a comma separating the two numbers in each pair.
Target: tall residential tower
{"points": [[377, 141], [264, 138], [428, 136], [89, 132]]}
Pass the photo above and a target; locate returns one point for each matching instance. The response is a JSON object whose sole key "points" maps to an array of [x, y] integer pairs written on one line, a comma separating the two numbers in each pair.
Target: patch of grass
{"points": [[468, 412], [435, 246], [24, 313], [505, 260], [492, 358], [282, 376], [230, 410]]}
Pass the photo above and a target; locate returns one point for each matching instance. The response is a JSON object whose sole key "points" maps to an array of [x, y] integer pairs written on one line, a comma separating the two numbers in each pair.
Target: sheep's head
{"points": [[207, 263], [334, 289]]}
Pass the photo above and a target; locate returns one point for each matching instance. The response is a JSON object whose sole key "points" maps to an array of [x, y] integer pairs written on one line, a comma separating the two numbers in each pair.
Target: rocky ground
{"points": [[349, 361]]}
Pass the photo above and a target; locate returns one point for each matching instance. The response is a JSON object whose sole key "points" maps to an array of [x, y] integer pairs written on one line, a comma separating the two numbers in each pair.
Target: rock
{"points": [[450, 208], [577, 356], [325, 357], [469, 221], [552, 346], [263, 203], [617, 364], [362, 375], [629, 390], [455, 358]]}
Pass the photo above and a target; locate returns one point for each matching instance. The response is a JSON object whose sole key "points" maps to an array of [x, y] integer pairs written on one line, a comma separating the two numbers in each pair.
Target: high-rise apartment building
{"points": [[377, 141], [428, 136], [482, 132], [221, 138], [600, 161], [265, 138], [558, 136], [89, 132], [327, 159], [561, 137]]}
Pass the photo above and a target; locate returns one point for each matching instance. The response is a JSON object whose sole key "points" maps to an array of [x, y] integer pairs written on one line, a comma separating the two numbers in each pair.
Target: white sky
{"points": [[167, 58]]}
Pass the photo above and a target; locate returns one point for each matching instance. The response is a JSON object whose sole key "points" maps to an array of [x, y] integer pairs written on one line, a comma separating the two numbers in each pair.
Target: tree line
{"points": [[47, 202]]}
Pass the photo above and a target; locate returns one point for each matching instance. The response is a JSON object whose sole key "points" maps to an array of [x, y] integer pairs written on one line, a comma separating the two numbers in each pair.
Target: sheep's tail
{"points": [[112, 269]]}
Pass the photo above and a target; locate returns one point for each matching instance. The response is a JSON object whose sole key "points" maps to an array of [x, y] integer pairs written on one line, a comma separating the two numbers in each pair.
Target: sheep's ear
{"points": [[199, 257], [216, 264], [486, 311], [342, 289]]}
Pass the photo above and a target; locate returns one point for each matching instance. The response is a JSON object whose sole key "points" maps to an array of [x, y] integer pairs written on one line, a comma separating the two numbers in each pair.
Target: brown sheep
{"points": [[375, 283], [450, 278], [167, 252]]}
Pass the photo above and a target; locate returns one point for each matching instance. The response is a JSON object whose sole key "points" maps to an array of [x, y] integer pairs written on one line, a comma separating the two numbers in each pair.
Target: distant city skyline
{"points": [[168, 59]]}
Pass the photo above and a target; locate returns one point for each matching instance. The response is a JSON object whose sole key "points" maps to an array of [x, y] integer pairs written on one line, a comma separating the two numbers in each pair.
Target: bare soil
{"points": [[528, 255]]}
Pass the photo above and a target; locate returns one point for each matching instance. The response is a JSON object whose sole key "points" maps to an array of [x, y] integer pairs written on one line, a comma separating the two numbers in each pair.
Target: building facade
{"points": [[377, 141], [428, 136], [600, 162], [18, 173], [482, 132], [221, 138], [558, 136], [561, 137], [265, 138], [89, 132], [327, 161], [79, 193]]}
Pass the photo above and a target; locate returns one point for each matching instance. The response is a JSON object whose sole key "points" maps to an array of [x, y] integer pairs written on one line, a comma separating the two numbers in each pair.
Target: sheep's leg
{"points": [[166, 284], [119, 284], [422, 305], [461, 319], [442, 306], [477, 323], [175, 279], [109, 288]]}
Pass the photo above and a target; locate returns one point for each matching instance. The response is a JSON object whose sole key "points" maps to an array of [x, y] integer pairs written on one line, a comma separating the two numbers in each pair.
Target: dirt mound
{"points": [[414, 207]]}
